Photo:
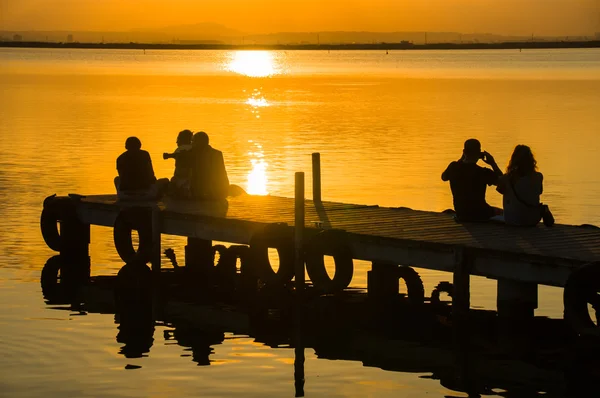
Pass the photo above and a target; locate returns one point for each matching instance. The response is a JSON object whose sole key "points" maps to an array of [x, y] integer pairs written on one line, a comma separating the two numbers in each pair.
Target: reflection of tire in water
{"points": [[133, 289], [61, 282], [581, 292], [133, 299], [49, 280]]}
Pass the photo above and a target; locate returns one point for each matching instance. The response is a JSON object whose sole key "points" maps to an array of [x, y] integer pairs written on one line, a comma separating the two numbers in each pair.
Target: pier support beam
{"points": [[516, 305], [76, 238], [516, 298], [156, 240], [199, 255], [382, 281]]}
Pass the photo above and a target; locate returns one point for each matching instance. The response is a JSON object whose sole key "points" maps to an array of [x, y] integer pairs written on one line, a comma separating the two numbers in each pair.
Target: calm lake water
{"points": [[386, 126]]}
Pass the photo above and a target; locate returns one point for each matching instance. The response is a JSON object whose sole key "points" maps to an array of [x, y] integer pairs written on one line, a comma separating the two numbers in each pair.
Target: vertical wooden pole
{"points": [[316, 176], [156, 235], [460, 314], [299, 233], [299, 274]]}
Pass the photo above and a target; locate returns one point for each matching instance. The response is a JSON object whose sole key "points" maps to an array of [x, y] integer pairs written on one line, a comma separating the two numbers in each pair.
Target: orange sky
{"points": [[542, 17]]}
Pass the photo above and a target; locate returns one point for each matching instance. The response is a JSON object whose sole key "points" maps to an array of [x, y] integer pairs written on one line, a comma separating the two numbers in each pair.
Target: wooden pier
{"points": [[519, 258], [403, 236]]}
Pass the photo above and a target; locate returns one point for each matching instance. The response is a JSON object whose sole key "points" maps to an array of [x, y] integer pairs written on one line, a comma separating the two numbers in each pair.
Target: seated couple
{"points": [[521, 186], [199, 171]]}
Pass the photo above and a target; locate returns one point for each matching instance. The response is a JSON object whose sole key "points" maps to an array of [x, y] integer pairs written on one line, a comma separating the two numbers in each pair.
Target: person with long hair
{"points": [[521, 187]]}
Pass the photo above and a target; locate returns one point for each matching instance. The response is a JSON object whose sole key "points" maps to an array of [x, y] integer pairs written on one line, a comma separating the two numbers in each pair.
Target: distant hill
{"points": [[213, 33], [199, 31]]}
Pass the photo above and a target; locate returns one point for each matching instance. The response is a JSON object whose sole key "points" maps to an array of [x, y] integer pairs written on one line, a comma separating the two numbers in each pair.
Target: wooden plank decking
{"points": [[396, 235]]}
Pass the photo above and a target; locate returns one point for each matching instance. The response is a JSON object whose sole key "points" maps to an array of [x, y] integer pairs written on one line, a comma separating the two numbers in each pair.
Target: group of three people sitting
{"points": [[199, 171], [521, 186]]}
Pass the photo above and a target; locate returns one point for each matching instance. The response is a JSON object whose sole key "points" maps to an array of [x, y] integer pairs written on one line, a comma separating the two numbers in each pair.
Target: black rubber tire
{"points": [[334, 243], [442, 287], [582, 287], [279, 237], [139, 219], [49, 226], [414, 284]]}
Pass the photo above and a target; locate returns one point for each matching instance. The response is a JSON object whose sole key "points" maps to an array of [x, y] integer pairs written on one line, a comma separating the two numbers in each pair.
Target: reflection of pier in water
{"points": [[342, 327]]}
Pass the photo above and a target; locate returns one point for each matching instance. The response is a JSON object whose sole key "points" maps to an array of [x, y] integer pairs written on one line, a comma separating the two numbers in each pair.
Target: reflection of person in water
{"points": [[198, 341], [65, 289]]}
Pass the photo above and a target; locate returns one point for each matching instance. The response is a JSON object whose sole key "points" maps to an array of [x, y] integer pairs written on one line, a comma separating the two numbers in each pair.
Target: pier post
{"points": [[299, 233], [382, 281], [75, 235], [461, 302], [76, 238], [299, 222], [199, 254], [156, 237], [316, 176], [516, 304]]}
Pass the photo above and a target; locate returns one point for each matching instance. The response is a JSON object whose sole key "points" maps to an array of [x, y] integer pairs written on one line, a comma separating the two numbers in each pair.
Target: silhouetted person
{"points": [[468, 183], [521, 188], [209, 176], [180, 182], [136, 178]]}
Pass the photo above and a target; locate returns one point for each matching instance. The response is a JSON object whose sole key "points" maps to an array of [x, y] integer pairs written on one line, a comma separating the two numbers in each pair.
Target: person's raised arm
{"points": [[447, 172], [489, 159]]}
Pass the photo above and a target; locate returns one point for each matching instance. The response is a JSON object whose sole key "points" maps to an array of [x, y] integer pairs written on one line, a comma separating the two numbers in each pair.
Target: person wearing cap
{"points": [[468, 182], [180, 182], [136, 178], [209, 176]]}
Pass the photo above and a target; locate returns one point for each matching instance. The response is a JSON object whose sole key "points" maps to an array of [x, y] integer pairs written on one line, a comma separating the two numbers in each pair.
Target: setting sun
{"points": [[253, 63]]}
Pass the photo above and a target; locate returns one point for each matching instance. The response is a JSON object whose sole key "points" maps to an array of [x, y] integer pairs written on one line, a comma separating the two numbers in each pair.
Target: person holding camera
{"points": [[180, 182], [468, 182]]}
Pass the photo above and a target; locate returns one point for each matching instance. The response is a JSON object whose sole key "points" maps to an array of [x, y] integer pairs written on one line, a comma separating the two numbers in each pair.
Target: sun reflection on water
{"points": [[257, 178], [253, 63], [257, 101]]}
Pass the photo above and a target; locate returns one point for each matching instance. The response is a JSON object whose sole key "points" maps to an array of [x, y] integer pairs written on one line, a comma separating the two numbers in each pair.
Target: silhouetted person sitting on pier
{"points": [[468, 183], [209, 176], [136, 180], [180, 182], [521, 188]]}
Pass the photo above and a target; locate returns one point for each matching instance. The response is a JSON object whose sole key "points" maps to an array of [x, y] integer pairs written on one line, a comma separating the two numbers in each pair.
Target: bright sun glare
{"points": [[253, 63]]}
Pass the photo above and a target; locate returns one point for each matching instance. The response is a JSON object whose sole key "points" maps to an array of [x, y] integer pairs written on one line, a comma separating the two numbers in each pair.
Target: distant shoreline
{"points": [[281, 47]]}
